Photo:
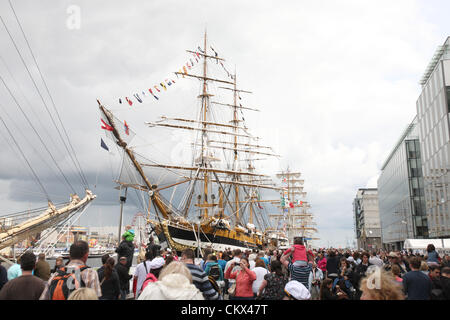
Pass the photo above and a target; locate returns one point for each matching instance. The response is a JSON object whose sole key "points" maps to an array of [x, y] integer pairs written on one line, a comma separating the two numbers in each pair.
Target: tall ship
{"points": [[213, 196], [295, 219]]}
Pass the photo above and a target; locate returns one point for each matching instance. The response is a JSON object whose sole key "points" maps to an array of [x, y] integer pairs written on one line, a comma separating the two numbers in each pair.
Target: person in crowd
{"points": [[140, 273], [272, 287], [83, 294], [322, 262], [416, 284], [3, 276], [175, 283], [446, 261], [27, 286], [298, 250], [445, 283], [126, 249], [387, 288], [213, 268], [244, 281], [222, 261], [14, 271], [423, 267], [199, 277], [204, 260], [124, 277], [294, 290], [252, 260], [396, 273], [343, 281], [375, 260], [299, 273], [314, 281], [42, 269], [262, 255], [332, 265], [260, 270], [78, 253], [357, 257], [236, 258], [154, 249], [156, 266], [109, 280], [59, 263], [359, 273], [394, 258], [436, 285], [432, 255], [326, 292]]}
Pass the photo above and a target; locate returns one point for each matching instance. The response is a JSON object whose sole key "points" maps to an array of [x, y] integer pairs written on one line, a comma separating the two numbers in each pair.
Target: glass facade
{"points": [[401, 192], [433, 107]]}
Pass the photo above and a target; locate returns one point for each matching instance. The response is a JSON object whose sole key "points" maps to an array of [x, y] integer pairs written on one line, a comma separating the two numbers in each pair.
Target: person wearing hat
{"points": [[126, 249], [124, 277], [294, 290], [394, 258]]}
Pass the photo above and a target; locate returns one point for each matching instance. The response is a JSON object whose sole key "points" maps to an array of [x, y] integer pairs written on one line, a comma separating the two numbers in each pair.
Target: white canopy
{"points": [[443, 244]]}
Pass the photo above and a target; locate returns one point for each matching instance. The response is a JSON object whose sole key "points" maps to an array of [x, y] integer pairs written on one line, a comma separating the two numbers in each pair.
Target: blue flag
{"points": [[103, 145]]}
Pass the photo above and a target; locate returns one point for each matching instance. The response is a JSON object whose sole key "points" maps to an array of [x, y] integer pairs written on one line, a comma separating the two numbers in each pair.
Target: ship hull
{"points": [[181, 237]]}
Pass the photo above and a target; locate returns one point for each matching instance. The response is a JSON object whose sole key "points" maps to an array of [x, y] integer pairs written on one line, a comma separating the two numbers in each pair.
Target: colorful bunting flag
{"points": [[127, 129], [156, 88], [162, 85], [120, 101], [106, 126], [200, 49], [184, 69], [138, 98], [129, 101], [103, 144]]}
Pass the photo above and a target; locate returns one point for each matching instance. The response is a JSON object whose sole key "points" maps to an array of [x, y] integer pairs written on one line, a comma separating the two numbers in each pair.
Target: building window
{"points": [[448, 98]]}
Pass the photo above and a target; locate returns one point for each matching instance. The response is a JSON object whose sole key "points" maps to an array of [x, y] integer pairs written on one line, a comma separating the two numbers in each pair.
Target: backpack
{"points": [[214, 272], [214, 284], [59, 289]]}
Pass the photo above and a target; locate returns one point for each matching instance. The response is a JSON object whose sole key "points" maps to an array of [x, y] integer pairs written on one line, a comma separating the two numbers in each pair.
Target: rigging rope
{"points": [[37, 89], [35, 131], [76, 162], [26, 160]]}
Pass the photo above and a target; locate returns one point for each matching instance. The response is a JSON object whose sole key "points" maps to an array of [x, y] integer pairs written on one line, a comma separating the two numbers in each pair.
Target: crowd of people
{"points": [[297, 273]]}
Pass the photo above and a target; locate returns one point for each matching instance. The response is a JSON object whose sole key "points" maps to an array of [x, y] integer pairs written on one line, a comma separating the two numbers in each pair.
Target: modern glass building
{"points": [[433, 107], [401, 193], [367, 219]]}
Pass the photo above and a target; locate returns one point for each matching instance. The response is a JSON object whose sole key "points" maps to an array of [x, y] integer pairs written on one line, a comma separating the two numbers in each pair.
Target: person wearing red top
{"points": [[299, 257], [322, 262], [244, 280]]}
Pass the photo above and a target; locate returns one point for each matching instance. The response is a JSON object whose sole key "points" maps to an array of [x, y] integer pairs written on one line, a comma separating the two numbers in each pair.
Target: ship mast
{"points": [[205, 103]]}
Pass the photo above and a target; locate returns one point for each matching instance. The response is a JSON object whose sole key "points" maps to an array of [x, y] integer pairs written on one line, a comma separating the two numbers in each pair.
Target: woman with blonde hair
{"points": [[174, 283], [424, 267], [83, 294], [384, 288]]}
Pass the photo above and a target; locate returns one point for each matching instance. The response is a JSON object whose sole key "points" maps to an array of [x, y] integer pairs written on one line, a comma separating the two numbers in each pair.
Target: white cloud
{"points": [[336, 81]]}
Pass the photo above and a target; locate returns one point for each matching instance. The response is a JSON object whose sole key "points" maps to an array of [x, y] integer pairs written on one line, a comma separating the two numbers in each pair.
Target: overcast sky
{"points": [[336, 83]]}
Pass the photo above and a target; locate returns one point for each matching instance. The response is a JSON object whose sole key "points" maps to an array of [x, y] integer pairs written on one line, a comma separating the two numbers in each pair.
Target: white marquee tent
{"points": [[441, 245]]}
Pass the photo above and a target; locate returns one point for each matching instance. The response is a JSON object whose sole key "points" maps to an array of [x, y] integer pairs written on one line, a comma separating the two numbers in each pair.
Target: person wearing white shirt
{"points": [[141, 272], [260, 270]]}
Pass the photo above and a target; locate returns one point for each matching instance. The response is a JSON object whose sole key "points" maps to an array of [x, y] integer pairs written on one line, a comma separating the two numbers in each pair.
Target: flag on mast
{"points": [[103, 144]]}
